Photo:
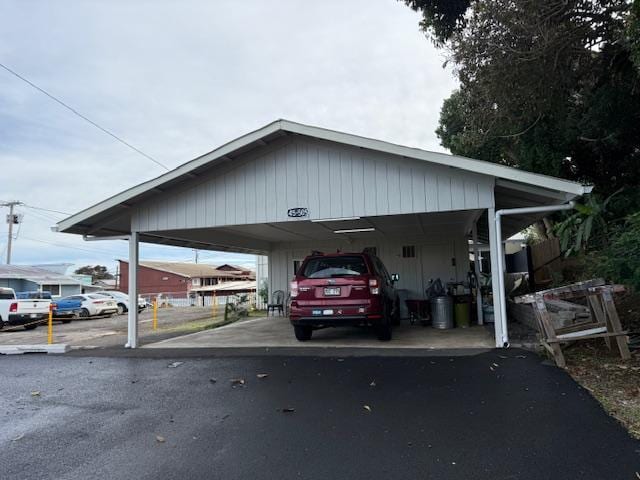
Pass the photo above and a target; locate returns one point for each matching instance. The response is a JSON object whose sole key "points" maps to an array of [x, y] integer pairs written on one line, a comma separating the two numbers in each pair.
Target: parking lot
{"points": [[112, 331]]}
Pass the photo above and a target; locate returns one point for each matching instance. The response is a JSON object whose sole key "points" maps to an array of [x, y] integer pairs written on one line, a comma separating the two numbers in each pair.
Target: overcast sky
{"points": [[177, 79]]}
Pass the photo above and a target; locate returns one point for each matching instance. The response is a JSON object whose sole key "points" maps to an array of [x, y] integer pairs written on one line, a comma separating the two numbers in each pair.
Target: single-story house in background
{"points": [[179, 277], [25, 278], [88, 285], [287, 189]]}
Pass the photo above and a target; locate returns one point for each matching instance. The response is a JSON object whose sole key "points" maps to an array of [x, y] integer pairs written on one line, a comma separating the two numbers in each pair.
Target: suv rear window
{"points": [[327, 267]]}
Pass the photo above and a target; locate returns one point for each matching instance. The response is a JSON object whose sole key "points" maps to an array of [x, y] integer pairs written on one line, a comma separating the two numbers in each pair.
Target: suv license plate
{"points": [[332, 291]]}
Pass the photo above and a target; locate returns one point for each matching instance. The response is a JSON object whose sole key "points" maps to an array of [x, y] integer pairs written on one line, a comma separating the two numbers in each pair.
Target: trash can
{"points": [[462, 311], [442, 312], [487, 313]]}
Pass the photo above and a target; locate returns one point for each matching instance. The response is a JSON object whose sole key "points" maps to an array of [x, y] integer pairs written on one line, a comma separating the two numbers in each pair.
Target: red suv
{"points": [[340, 289]]}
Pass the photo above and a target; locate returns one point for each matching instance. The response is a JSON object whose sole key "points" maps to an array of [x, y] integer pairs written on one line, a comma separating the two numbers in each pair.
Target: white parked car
{"points": [[95, 304], [25, 312], [122, 300]]}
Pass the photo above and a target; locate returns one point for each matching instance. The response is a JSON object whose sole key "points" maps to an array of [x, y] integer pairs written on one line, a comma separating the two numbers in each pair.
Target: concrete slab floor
{"points": [[278, 332]]}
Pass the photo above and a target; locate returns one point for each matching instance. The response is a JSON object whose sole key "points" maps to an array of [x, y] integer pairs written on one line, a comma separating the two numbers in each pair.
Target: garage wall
{"points": [[433, 260], [329, 179]]}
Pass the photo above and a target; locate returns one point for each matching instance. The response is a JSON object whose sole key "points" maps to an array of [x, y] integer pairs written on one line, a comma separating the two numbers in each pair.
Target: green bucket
{"points": [[462, 314]]}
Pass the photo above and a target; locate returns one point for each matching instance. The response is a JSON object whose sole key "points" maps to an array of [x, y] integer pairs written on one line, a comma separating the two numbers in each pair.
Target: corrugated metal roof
{"points": [[36, 275], [228, 286], [191, 270]]}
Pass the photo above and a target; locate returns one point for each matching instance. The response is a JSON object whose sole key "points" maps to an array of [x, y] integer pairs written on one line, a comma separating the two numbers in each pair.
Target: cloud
{"points": [[177, 79]]}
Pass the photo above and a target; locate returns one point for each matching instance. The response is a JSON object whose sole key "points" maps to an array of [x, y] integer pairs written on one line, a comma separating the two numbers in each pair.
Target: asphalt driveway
{"points": [[440, 417]]}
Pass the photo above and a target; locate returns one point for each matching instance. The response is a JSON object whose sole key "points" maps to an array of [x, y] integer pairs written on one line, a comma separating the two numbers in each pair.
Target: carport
{"points": [[287, 189]]}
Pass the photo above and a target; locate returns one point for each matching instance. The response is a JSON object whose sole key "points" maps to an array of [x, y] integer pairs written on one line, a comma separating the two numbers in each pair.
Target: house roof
{"points": [[88, 221], [241, 285], [190, 270], [37, 275]]}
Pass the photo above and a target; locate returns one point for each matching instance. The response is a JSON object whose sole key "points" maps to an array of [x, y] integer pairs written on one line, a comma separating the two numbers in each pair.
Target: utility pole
{"points": [[196, 252], [12, 219]]}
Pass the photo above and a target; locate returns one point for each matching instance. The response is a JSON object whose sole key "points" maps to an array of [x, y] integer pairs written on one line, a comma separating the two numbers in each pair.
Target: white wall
{"points": [[433, 260]]}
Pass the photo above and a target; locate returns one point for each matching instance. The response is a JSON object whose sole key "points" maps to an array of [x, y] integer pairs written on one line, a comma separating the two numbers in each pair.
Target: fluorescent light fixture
{"points": [[355, 230], [319, 220]]}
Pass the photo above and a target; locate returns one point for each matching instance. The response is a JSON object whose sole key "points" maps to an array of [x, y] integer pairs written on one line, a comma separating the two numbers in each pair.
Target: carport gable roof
{"points": [[88, 221]]}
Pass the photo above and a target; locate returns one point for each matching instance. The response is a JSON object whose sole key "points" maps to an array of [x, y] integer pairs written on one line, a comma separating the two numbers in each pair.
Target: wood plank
{"points": [[598, 312], [612, 314], [560, 292], [549, 332], [595, 335]]}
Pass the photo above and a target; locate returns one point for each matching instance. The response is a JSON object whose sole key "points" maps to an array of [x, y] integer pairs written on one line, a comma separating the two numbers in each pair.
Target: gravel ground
{"points": [[112, 331]]}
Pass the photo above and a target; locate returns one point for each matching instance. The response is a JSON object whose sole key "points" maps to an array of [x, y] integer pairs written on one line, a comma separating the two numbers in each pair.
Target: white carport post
{"points": [[494, 250], [476, 265], [132, 330]]}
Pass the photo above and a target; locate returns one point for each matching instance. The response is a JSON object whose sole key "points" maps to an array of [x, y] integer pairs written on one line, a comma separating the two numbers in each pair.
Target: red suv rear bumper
{"points": [[336, 313]]}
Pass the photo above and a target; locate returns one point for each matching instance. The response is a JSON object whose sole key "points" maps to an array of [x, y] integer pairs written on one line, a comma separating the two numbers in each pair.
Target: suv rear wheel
{"points": [[395, 313], [303, 333], [383, 329]]}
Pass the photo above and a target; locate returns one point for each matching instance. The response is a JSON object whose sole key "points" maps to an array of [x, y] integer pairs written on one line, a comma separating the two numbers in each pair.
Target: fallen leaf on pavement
{"points": [[213, 380], [503, 356], [35, 393], [262, 375], [237, 381], [372, 384], [174, 364], [495, 365], [492, 369], [19, 437], [367, 408], [288, 410], [160, 439]]}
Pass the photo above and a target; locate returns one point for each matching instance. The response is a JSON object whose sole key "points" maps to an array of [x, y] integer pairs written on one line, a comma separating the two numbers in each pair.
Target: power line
{"points": [[104, 252], [46, 209], [76, 112]]}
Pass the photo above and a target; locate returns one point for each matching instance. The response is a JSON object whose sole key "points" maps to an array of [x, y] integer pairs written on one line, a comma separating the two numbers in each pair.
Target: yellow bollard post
{"points": [[50, 325], [155, 313]]}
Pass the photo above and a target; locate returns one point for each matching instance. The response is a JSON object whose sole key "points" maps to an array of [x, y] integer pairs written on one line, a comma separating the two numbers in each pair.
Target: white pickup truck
{"points": [[27, 313]]}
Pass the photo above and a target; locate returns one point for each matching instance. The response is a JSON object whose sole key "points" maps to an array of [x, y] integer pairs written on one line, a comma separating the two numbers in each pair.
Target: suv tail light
{"points": [[95, 302], [294, 289], [13, 308], [374, 286]]}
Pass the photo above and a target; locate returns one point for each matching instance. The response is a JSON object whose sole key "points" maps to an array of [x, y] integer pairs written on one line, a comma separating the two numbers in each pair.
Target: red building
{"points": [[178, 277]]}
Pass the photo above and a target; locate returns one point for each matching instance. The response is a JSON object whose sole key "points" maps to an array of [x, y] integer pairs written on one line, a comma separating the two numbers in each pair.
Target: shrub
{"points": [[620, 260]]}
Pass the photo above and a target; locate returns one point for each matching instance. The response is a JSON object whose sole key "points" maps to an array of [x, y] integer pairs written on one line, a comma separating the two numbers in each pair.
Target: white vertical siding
{"points": [[330, 180]]}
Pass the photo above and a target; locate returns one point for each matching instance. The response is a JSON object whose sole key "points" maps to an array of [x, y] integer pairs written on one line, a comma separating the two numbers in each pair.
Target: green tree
{"points": [[548, 86]]}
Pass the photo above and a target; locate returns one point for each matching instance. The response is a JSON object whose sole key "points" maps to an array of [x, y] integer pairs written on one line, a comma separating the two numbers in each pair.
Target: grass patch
{"points": [[196, 325], [613, 382]]}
